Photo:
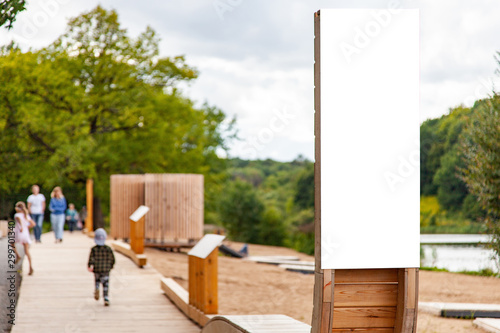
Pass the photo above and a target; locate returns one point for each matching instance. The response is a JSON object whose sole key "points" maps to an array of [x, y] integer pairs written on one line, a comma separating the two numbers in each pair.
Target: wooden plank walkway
{"points": [[59, 295]]}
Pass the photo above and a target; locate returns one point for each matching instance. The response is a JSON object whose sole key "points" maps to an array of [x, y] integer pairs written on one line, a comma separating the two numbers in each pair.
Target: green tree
{"points": [[97, 102], [304, 188], [430, 154], [451, 188], [9, 10], [440, 160], [272, 229], [481, 150], [241, 211]]}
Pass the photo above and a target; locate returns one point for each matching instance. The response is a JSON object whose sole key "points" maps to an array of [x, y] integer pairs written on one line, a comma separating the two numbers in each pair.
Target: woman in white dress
{"points": [[22, 230]]}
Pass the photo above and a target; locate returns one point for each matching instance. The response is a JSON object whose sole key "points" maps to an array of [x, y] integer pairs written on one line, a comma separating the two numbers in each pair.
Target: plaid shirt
{"points": [[102, 258]]}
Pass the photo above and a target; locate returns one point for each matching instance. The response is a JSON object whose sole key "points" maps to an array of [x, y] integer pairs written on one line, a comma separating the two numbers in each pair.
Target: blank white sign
{"points": [[206, 245], [370, 172], [139, 213]]}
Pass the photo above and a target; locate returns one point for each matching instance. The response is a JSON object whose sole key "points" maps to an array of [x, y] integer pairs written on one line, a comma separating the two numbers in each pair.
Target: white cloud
{"points": [[258, 58]]}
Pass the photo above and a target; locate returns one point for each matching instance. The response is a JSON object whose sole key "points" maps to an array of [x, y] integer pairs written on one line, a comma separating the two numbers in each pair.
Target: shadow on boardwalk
{"points": [[59, 296]]}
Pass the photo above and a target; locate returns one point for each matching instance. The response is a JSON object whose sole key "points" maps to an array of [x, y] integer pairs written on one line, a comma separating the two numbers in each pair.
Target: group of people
{"points": [[60, 212], [31, 216], [101, 258]]}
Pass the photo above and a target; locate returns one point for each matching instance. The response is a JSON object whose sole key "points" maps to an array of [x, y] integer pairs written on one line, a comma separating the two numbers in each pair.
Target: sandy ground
{"points": [[250, 288]]}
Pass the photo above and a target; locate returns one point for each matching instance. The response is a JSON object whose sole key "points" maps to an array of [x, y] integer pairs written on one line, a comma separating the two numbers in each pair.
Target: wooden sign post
{"points": [[366, 170], [134, 250], [89, 221], [202, 288], [137, 229]]}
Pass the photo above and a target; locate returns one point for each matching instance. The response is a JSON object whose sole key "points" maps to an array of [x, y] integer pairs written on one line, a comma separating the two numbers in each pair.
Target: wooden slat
{"points": [[411, 303], [191, 279], [176, 293], [127, 193], [351, 276], [402, 296], [198, 284], [211, 305], [369, 317], [125, 249], [407, 301], [320, 317], [415, 317], [327, 286], [326, 311], [364, 330], [89, 221], [317, 302], [317, 144], [365, 295], [255, 323]]}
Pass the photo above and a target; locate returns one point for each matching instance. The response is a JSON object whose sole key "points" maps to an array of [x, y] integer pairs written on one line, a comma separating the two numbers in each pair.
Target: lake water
{"points": [[457, 252]]}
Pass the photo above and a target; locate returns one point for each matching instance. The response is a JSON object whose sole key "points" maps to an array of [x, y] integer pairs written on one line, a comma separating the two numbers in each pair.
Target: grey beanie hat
{"points": [[100, 236]]}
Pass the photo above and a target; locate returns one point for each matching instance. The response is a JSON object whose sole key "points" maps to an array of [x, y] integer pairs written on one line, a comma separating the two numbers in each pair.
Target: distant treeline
{"points": [[267, 202], [444, 192]]}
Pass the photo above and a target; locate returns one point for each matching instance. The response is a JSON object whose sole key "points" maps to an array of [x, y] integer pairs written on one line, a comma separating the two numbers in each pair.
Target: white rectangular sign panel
{"points": [[370, 167]]}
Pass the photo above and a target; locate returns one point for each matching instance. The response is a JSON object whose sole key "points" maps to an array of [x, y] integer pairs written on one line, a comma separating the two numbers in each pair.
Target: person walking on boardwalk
{"points": [[22, 232], [57, 207], [101, 261], [36, 208], [71, 217]]}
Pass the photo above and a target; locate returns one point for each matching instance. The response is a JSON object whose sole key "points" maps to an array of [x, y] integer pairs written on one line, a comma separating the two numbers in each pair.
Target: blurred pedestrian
{"points": [[101, 261], [22, 231], [71, 217], [57, 207], [36, 208]]}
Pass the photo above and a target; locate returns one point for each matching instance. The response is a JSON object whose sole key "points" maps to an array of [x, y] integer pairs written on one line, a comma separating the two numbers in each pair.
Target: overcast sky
{"points": [[255, 57]]}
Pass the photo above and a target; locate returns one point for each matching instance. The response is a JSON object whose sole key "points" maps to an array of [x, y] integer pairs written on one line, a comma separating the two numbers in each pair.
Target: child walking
{"points": [[101, 261], [22, 230], [71, 217]]}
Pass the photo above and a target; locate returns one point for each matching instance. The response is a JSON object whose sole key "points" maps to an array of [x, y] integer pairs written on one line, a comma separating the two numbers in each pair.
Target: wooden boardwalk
{"points": [[58, 297]]}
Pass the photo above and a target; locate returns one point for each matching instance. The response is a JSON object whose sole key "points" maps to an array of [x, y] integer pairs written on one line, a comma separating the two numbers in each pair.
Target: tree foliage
{"points": [[304, 190], [451, 188], [9, 10], [241, 211], [97, 102], [440, 158], [259, 202], [481, 150]]}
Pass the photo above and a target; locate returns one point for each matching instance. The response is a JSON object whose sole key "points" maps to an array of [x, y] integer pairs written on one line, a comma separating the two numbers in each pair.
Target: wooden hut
{"points": [[175, 201]]}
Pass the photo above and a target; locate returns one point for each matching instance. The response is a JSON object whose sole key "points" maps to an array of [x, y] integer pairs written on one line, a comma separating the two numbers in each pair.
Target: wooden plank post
{"points": [[135, 250], [137, 229], [89, 221], [203, 269], [407, 306], [322, 318]]}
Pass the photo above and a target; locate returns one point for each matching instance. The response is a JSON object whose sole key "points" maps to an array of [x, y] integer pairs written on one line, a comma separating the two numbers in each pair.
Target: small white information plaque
{"points": [[139, 213], [206, 245]]}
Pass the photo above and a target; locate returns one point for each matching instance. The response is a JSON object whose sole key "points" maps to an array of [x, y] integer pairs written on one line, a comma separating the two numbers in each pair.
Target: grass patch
{"points": [[484, 272], [469, 228], [434, 269], [435, 220]]}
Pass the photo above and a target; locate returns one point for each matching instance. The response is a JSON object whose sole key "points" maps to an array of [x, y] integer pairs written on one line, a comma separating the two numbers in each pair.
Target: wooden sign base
{"points": [[366, 300]]}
